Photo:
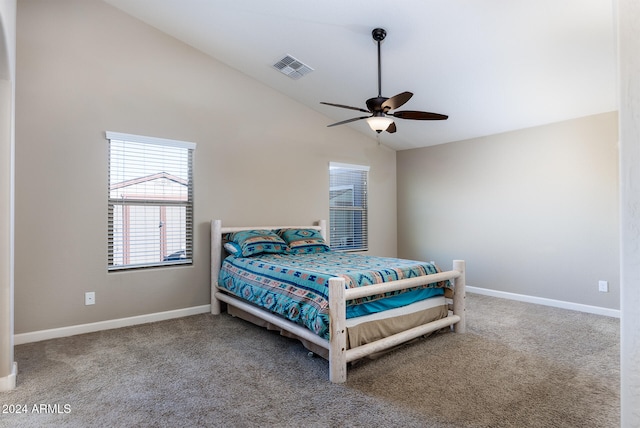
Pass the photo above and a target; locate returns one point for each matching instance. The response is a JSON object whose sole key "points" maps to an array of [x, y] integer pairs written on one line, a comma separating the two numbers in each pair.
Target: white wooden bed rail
{"points": [[339, 355]]}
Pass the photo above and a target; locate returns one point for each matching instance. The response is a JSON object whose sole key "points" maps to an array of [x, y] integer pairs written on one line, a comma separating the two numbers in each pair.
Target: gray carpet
{"points": [[519, 365]]}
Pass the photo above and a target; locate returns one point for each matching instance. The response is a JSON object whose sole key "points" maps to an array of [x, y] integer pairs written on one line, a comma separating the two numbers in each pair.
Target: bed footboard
{"points": [[339, 355]]}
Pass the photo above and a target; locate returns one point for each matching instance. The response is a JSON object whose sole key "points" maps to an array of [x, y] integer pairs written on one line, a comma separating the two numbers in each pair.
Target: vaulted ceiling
{"points": [[491, 65]]}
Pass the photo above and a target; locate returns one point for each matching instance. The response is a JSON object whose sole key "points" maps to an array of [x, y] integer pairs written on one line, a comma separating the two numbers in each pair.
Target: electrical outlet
{"points": [[603, 286], [90, 298]]}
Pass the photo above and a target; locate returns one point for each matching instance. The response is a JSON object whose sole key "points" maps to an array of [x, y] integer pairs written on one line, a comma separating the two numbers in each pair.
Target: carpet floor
{"points": [[518, 365]]}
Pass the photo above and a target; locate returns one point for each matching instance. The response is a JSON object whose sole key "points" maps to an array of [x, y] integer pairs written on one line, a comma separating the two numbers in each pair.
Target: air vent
{"points": [[292, 67]]}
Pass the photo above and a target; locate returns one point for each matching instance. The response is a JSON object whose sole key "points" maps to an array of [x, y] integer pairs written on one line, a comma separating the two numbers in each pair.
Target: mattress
{"points": [[295, 286]]}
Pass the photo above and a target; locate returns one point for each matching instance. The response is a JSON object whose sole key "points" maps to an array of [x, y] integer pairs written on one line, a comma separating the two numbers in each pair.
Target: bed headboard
{"points": [[217, 231]]}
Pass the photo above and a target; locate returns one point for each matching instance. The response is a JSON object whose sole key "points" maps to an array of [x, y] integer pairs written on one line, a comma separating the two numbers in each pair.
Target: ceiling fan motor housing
{"points": [[375, 104]]}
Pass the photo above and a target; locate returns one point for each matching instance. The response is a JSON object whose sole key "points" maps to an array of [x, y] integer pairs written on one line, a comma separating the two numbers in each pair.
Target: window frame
{"points": [[356, 180], [145, 202]]}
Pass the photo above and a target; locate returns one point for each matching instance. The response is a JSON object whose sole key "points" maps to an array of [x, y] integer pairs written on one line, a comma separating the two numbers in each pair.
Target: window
{"points": [[348, 207], [150, 220]]}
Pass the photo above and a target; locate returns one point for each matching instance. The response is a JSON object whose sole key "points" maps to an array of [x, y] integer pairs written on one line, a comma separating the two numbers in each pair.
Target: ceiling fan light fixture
{"points": [[379, 123]]}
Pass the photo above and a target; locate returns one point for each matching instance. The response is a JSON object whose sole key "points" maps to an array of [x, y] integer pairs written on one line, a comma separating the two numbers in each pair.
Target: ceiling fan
{"points": [[379, 107]]}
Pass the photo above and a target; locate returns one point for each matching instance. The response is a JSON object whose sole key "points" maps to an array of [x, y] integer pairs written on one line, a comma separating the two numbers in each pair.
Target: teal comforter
{"points": [[295, 286]]}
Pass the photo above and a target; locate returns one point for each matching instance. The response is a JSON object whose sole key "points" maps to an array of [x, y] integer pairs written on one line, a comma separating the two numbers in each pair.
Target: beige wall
{"points": [[84, 68], [533, 212]]}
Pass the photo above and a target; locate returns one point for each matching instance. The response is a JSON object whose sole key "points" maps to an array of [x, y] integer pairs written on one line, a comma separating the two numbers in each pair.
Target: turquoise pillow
{"points": [[304, 241], [254, 242]]}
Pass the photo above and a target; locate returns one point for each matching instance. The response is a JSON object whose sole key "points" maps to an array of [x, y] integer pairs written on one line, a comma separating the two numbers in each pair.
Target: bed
{"points": [[342, 306]]}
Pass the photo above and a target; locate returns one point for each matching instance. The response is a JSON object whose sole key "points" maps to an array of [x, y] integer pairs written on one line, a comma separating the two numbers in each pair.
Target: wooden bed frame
{"points": [[339, 355]]}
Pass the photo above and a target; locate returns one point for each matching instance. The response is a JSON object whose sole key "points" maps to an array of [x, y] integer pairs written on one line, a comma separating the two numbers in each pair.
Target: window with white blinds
{"points": [[348, 207], [150, 219]]}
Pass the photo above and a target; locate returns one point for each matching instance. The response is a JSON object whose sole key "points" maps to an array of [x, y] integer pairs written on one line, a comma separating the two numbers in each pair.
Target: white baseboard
{"points": [[615, 313], [37, 336], [54, 333], [8, 383]]}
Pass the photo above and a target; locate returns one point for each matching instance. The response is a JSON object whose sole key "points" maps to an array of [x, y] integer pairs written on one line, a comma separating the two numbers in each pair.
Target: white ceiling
{"points": [[491, 65]]}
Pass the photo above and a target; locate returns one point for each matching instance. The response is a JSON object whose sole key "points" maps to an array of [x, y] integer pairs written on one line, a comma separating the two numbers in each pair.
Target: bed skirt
{"points": [[366, 329]]}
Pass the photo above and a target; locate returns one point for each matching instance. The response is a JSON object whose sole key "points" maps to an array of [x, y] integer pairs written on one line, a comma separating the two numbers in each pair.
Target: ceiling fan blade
{"points": [[419, 115], [343, 106], [392, 128], [396, 101], [347, 121]]}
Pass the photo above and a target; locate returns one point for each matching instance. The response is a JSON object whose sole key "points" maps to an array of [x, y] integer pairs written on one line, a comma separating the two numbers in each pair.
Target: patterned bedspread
{"points": [[295, 286]]}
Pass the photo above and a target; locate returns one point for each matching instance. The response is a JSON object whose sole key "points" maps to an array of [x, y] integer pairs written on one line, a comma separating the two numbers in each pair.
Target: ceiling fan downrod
{"points": [[378, 35]]}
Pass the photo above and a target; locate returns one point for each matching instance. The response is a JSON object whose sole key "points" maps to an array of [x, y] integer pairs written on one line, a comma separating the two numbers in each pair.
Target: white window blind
{"points": [[150, 219], [348, 207]]}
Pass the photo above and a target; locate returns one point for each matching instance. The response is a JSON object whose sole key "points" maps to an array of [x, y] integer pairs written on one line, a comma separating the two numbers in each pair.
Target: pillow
{"points": [[304, 241], [233, 248], [254, 242]]}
